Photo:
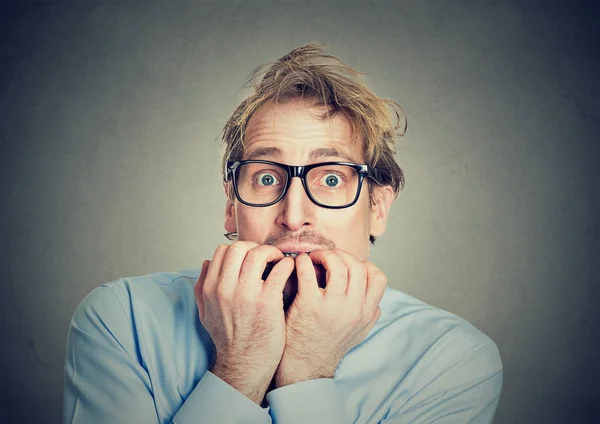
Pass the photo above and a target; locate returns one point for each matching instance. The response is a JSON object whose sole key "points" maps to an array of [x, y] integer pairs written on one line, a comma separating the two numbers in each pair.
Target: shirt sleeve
{"points": [[215, 401], [467, 392], [105, 381], [312, 401]]}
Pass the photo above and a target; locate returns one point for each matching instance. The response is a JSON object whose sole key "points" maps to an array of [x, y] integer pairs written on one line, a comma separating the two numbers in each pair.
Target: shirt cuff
{"points": [[311, 401], [215, 401]]}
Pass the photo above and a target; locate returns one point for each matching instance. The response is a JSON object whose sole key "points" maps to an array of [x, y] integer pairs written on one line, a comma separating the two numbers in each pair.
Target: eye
{"points": [[331, 180], [266, 179]]}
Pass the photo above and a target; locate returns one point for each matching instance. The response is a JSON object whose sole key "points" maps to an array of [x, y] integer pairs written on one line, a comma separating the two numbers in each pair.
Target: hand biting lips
{"points": [[292, 283], [319, 270]]}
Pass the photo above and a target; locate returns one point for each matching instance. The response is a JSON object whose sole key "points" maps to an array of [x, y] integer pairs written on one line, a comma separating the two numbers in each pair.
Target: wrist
{"points": [[253, 387], [290, 374]]}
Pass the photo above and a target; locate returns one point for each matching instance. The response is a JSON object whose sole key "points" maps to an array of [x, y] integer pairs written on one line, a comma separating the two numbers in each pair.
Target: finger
{"points": [[307, 279], [376, 283], [357, 276], [232, 265], [198, 289], [279, 275], [255, 262], [336, 276], [214, 268]]}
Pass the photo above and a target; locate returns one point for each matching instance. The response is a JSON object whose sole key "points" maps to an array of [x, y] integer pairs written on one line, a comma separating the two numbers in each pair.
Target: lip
{"points": [[289, 248]]}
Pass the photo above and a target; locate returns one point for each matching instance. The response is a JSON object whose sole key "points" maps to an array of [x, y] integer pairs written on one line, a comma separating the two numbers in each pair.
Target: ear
{"points": [[383, 196], [230, 222]]}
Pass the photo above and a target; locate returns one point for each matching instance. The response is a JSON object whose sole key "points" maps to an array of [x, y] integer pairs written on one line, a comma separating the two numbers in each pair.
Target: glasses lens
{"points": [[260, 183], [333, 185]]}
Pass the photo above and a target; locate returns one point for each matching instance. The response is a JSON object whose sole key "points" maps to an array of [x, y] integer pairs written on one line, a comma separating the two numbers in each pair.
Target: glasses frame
{"points": [[301, 171]]}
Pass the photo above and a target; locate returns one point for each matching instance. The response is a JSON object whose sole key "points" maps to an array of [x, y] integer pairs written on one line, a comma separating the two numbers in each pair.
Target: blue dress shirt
{"points": [[137, 353]]}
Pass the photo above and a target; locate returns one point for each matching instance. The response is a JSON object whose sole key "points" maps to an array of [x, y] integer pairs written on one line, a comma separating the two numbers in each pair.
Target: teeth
{"points": [[293, 254]]}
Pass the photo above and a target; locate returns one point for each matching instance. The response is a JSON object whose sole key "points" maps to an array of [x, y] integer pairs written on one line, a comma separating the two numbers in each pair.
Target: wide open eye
{"points": [[266, 179], [331, 180]]}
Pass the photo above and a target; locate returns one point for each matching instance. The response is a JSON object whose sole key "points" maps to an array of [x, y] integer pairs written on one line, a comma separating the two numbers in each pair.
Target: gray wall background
{"points": [[110, 116]]}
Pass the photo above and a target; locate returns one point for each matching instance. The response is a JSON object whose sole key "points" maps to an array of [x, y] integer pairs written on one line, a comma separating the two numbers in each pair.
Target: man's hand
{"points": [[244, 315], [322, 325]]}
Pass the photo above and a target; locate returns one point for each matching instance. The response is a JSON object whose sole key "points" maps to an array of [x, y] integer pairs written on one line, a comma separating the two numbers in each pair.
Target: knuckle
{"points": [[360, 270], [246, 297], [221, 248], [206, 296], [375, 274], [339, 269], [336, 253], [382, 278], [236, 246], [325, 253], [252, 257], [205, 290], [263, 302], [343, 253], [222, 296], [371, 268]]}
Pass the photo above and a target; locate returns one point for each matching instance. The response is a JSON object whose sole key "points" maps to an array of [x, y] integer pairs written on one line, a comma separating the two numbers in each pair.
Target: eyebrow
{"points": [[322, 152], [329, 152], [264, 152]]}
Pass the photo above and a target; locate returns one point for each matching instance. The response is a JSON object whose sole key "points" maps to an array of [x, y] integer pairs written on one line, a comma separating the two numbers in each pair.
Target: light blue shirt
{"points": [[137, 353]]}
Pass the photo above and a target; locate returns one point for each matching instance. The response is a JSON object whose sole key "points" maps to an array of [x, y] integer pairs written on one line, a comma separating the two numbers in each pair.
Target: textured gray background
{"points": [[110, 117]]}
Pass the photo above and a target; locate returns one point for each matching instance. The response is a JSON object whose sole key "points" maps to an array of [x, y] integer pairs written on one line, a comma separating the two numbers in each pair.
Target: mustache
{"points": [[308, 237]]}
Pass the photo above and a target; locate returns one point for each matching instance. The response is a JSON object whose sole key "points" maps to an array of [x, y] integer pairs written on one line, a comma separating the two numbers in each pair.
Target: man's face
{"points": [[293, 133]]}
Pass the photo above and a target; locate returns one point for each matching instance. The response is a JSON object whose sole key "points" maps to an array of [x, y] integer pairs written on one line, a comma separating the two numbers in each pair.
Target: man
{"points": [[290, 323]]}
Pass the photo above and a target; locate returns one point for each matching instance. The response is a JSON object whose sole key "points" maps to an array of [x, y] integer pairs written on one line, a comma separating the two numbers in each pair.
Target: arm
{"points": [[466, 392], [106, 382]]}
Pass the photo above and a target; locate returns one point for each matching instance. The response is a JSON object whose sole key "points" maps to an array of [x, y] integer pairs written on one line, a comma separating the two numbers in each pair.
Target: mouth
{"points": [[319, 269], [294, 249]]}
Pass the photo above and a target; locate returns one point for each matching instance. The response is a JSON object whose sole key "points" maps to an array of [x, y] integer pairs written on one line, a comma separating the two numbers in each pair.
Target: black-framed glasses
{"points": [[333, 185]]}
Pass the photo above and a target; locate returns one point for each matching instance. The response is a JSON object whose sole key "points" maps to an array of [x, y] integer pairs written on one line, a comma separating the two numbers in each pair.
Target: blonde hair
{"points": [[308, 74]]}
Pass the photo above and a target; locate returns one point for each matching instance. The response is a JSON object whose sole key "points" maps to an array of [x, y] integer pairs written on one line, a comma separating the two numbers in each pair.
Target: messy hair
{"points": [[307, 74]]}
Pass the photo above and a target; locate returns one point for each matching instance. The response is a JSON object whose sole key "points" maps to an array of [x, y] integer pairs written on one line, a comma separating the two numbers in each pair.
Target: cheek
{"points": [[254, 224], [348, 229]]}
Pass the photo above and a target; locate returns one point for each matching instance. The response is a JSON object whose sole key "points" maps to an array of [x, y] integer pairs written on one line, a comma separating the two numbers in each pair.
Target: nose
{"points": [[296, 209]]}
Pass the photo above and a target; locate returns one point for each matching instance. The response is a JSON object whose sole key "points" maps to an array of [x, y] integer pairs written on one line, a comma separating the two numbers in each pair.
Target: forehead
{"points": [[298, 129]]}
